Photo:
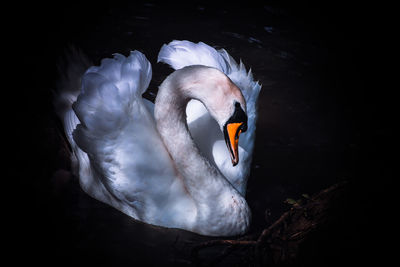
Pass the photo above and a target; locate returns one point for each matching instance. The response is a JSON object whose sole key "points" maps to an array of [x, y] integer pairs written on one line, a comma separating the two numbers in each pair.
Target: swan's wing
{"points": [[118, 133], [205, 131]]}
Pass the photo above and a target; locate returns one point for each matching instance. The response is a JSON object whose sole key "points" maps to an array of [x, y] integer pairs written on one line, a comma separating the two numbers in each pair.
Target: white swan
{"points": [[142, 159]]}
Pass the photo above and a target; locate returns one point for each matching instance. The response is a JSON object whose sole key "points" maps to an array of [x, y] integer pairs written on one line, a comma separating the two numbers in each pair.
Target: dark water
{"points": [[314, 66]]}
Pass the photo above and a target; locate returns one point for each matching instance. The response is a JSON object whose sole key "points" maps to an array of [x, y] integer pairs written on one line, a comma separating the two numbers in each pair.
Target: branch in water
{"points": [[281, 240]]}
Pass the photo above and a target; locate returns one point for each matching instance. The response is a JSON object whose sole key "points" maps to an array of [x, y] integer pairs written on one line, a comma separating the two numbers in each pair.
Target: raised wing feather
{"points": [[119, 135], [204, 129]]}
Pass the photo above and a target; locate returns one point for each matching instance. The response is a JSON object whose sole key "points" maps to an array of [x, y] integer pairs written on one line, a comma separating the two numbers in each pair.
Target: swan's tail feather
{"points": [[71, 69]]}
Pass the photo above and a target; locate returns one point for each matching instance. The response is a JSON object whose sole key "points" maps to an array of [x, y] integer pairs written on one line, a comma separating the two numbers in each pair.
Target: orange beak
{"points": [[233, 130]]}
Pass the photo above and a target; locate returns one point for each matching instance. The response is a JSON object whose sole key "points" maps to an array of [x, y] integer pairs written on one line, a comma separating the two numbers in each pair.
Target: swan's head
{"points": [[222, 98], [233, 127], [225, 102]]}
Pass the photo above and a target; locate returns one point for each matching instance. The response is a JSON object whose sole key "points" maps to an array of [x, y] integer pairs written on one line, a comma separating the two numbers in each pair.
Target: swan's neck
{"points": [[217, 201]]}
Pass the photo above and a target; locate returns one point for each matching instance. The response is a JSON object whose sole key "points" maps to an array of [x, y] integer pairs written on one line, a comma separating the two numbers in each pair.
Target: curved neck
{"points": [[202, 179], [219, 205]]}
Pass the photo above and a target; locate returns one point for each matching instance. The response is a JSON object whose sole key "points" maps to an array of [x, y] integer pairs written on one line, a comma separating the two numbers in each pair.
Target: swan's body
{"points": [[141, 158]]}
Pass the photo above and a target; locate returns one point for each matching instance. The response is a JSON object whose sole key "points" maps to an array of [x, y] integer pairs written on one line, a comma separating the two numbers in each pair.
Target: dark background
{"points": [[326, 114]]}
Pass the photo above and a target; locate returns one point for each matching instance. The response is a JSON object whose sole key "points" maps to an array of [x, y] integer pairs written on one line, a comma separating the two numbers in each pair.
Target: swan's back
{"points": [[179, 54]]}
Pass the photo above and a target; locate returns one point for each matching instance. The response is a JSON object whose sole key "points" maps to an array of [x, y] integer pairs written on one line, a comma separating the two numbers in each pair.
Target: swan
{"points": [[178, 163]]}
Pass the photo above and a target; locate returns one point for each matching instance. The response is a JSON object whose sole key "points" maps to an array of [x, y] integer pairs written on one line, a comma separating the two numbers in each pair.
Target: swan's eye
{"points": [[243, 127]]}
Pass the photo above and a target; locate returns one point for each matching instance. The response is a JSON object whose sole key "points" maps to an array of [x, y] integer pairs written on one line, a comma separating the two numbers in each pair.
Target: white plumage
{"points": [[179, 54], [140, 158]]}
